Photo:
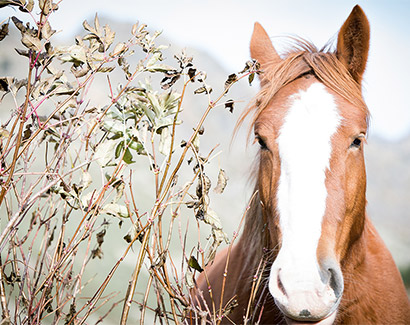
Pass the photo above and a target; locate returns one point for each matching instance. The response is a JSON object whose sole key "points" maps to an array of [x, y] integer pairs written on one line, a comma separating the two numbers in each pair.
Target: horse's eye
{"points": [[356, 143], [261, 143]]}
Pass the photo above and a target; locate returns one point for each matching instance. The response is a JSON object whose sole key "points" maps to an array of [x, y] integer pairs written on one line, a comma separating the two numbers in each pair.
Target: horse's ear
{"points": [[353, 43], [262, 49]]}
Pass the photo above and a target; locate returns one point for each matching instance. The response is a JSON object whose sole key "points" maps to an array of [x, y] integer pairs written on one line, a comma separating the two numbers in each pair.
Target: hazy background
{"points": [[223, 28], [217, 34]]}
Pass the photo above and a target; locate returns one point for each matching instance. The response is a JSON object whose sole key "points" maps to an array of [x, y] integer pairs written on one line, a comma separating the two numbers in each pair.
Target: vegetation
{"points": [[73, 172]]}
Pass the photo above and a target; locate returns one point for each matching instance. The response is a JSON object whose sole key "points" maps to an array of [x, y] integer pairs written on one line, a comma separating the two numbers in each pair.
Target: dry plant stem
{"points": [[22, 115], [91, 303], [113, 101], [131, 289], [24, 208], [144, 303], [229, 254], [255, 284], [168, 163], [3, 298], [189, 143], [44, 124]]}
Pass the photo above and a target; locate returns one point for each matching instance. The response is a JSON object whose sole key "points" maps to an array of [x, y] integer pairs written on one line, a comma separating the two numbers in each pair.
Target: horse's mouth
{"points": [[328, 320]]}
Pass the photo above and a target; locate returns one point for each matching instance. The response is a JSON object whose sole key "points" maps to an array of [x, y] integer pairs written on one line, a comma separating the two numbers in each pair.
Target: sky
{"points": [[223, 29]]}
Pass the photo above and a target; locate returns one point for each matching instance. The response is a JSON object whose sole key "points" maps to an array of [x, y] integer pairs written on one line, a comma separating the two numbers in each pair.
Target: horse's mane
{"points": [[303, 58]]}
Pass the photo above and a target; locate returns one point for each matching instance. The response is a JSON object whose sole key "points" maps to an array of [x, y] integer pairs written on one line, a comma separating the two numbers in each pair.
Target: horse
{"points": [[308, 252]]}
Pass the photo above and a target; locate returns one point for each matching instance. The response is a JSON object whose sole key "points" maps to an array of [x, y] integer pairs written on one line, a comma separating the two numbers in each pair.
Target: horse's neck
{"points": [[372, 280], [255, 237]]}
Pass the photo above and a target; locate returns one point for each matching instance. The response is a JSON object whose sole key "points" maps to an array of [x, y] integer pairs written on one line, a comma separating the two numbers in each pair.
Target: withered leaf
{"points": [[200, 190], [203, 89], [19, 24], [119, 48], [4, 3], [248, 66], [47, 31], [46, 6], [192, 204], [100, 237], [116, 210], [222, 182], [31, 42], [97, 253], [30, 5], [109, 36], [251, 77], [5, 82], [191, 74], [231, 79], [4, 31], [89, 28], [229, 105], [230, 307], [22, 52], [194, 264]]}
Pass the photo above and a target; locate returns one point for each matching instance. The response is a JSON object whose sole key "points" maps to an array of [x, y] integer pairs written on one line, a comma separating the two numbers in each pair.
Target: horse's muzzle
{"points": [[305, 294]]}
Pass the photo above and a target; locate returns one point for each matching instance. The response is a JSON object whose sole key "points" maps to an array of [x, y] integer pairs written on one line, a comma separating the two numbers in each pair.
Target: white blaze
{"points": [[304, 148]]}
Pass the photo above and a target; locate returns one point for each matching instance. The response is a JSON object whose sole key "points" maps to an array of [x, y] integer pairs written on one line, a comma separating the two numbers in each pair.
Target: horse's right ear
{"points": [[353, 43], [262, 49]]}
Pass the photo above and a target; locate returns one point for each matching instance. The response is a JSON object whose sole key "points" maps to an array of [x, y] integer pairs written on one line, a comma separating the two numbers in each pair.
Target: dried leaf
{"points": [[109, 37], [4, 31], [89, 28], [12, 84], [218, 236], [105, 152], [191, 74], [204, 89], [211, 218], [128, 156], [222, 182], [46, 6], [4, 133], [97, 24], [4, 3], [248, 66], [189, 279], [250, 78], [30, 5], [119, 48], [100, 237], [5, 83], [116, 210], [47, 31], [230, 307], [194, 264], [86, 180], [134, 231], [31, 42], [75, 53], [192, 204], [165, 141], [134, 29], [205, 190], [19, 24], [229, 105], [231, 79]]}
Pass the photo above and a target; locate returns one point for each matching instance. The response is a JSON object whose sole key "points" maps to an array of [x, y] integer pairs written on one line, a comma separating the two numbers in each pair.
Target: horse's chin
{"points": [[325, 321]]}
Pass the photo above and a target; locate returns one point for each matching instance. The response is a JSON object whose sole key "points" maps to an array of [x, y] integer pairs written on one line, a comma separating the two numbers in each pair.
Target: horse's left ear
{"points": [[262, 49], [353, 43]]}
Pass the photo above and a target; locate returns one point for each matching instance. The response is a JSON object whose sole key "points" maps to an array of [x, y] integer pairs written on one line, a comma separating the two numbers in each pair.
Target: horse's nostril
{"points": [[280, 284], [305, 313], [336, 281]]}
